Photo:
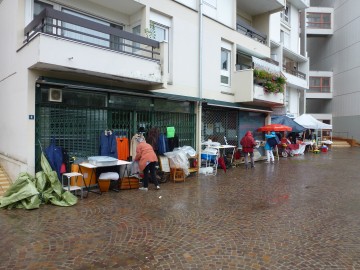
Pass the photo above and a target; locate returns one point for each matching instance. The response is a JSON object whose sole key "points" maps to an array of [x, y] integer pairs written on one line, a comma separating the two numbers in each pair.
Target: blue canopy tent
{"points": [[287, 121]]}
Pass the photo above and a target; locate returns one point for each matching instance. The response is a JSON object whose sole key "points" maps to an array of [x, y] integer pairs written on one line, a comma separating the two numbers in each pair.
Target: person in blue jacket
{"points": [[269, 146]]}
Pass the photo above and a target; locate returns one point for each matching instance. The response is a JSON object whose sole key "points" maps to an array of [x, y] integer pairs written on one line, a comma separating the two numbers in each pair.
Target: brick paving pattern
{"points": [[299, 213]]}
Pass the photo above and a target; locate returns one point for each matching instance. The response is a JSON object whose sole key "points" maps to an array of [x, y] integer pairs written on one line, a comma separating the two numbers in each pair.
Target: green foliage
{"points": [[150, 32], [272, 83]]}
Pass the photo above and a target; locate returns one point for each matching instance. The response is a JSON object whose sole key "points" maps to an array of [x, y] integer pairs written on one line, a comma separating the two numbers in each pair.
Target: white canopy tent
{"points": [[309, 122]]}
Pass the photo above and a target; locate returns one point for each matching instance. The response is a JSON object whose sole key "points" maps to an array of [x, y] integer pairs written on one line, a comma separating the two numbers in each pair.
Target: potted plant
{"points": [[272, 83]]}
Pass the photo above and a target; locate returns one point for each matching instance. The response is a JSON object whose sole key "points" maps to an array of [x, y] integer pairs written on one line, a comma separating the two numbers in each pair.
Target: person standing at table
{"points": [[147, 161], [248, 143]]}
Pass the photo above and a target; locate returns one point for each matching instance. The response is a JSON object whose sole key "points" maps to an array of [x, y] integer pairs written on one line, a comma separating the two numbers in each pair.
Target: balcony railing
{"points": [[60, 24], [249, 31], [319, 20], [295, 72]]}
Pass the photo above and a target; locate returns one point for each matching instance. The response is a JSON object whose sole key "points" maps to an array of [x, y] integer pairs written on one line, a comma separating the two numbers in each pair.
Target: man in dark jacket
{"points": [[248, 143]]}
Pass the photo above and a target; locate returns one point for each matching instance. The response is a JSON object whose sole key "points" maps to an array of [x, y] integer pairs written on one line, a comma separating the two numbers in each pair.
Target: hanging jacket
{"points": [[54, 155], [108, 144], [162, 144]]}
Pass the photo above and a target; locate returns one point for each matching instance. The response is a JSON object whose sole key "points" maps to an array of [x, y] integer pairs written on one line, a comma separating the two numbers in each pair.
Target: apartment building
{"points": [[288, 51], [71, 69], [333, 47]]}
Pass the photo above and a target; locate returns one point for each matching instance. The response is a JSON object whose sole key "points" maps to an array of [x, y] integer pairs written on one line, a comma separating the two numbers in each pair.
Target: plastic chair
{"points": [[68, 185]]}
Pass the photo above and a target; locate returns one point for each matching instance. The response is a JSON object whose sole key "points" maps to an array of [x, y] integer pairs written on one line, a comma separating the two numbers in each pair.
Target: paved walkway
{"points": [[300, 213]]}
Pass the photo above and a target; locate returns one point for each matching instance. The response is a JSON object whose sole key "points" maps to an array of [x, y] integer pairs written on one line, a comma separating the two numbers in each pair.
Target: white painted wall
{"points": [[17, 81]]}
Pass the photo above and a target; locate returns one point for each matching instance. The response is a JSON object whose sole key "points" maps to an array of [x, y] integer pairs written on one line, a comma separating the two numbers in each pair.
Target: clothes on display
{"points": [[133, 145], [173, 143], [108, 145], [123, 151], [162, 144], [54, 156], [152, 137]]}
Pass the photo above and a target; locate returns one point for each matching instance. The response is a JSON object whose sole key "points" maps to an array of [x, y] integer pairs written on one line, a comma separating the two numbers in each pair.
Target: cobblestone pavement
{"points": [[299, 213]]}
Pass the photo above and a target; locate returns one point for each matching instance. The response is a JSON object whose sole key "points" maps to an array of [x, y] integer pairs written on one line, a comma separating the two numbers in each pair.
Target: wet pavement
{"points": [[299, 213]]}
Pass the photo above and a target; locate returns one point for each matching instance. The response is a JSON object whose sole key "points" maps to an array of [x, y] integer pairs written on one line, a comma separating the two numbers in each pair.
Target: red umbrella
{"points": [[275, 127]]}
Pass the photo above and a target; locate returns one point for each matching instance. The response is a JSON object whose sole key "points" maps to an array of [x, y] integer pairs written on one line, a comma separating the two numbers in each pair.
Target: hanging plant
{"points": [[272, 83]]}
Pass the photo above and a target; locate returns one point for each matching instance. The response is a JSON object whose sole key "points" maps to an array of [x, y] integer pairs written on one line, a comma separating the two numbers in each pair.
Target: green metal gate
{"points": [[77, 128], [218, 124]]}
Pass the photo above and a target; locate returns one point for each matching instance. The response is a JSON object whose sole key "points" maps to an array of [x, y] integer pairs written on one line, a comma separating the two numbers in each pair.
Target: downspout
{"points": [[199, 113]]}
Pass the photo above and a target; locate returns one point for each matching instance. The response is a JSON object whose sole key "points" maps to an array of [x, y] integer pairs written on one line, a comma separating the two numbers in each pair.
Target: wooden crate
{"points": [[129, 183]]}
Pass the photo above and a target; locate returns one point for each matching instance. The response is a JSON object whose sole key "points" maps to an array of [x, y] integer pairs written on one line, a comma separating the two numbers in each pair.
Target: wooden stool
{"points": [[177, 174]]}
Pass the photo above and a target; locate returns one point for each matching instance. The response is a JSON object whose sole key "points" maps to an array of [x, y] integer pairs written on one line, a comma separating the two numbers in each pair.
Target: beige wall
{"points": [[17, 79]]}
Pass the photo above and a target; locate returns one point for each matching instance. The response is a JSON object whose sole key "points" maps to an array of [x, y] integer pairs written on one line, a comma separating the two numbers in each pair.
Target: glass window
{"points": [[319, 85], [319, 20], [225, 67], [40, 6], [285, 14], [137, 31], [285, 38], [91, 36]]}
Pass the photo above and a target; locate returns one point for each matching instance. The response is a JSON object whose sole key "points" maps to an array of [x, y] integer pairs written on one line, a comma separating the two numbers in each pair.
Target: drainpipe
{"points": [[199, 113]]}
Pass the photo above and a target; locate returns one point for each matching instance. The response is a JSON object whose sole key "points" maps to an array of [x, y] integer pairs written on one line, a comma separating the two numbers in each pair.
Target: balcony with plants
{"points": [[91, 48], [262, 85]]}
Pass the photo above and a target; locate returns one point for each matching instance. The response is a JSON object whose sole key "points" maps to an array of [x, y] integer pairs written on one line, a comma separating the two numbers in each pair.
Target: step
{"points": [[4, 182], [340, 144]]}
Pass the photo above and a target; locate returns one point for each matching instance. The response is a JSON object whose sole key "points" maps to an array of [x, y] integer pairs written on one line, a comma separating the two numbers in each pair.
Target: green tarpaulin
{"points": [[29, 192]]}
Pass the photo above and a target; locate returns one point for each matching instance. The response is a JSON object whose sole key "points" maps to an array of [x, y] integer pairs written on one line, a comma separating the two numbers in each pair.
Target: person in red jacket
{"points": [[248, 143], [147, 161]]}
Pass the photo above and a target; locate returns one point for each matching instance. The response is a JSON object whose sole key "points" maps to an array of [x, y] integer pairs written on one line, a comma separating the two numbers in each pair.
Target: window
{"points": [[285, 39], [243, 61], [89, 36], [40, 6], [319, 85], [161, 32], [137, 31], [319, 20], [285, 14], [225, 66]]}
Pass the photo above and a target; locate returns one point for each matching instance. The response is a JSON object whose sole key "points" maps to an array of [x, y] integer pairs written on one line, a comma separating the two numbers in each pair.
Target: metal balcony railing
{"points": [[249, 31], [295, 72], [67, 26]]}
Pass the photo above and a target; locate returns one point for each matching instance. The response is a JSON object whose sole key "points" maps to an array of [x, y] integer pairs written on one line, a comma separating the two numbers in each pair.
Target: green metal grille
{"points": [[77, 129], [217, 124]]}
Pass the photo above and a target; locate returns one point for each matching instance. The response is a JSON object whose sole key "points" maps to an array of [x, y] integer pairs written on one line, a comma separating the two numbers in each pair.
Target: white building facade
{"points": [[71, 69], [288, 48]]}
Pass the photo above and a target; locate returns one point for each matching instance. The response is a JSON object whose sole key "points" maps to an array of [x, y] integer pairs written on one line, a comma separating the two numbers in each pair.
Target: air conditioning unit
{"points": [[55, 95]]}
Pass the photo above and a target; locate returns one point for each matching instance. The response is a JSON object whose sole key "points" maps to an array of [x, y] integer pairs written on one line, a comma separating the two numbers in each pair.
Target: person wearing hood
{"points": [[269, 147], [248, 143], [147, 161]]}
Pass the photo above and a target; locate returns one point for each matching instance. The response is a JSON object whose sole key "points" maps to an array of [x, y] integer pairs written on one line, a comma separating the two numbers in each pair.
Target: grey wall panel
{"points": [[347, 126]]}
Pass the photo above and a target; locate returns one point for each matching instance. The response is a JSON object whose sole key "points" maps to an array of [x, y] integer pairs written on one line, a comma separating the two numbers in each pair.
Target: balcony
{"points": [[258, 7], [87, 47], [300, 4], [319, 21], [247, 91], [251, 32], [320, 85]]}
